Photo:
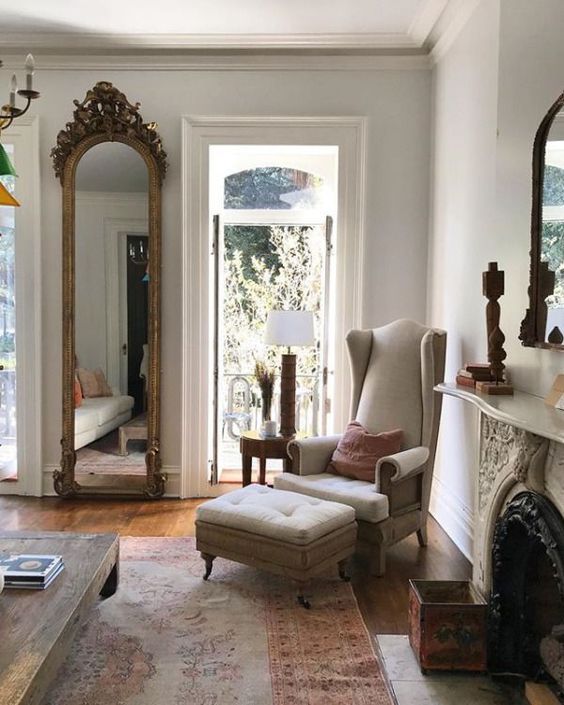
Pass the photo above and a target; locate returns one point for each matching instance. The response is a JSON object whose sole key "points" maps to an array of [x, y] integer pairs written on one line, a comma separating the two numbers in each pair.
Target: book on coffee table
{"points": [[31, 571]]}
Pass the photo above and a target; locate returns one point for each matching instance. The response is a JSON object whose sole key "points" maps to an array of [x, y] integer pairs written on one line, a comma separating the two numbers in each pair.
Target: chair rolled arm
{"points": [[406, 463], [310, 456]]}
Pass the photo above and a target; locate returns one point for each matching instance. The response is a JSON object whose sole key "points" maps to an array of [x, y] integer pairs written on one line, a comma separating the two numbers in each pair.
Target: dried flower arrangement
{"points": [[265, 378]]}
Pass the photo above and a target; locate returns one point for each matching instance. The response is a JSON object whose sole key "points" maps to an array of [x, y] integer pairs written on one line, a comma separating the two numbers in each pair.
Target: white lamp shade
{"points": [[289, 328]]}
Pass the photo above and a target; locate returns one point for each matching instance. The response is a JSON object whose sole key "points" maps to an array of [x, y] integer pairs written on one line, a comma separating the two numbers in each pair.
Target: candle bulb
{"points": [[29, 69], [13, 89]]}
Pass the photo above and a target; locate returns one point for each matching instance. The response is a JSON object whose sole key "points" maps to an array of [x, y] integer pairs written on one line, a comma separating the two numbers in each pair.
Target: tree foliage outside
{"points": [[553, 186], [269, 268], [7, 289], [265, 187]]}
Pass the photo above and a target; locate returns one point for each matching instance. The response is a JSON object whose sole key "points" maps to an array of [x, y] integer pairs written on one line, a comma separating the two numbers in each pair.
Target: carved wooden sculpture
{"points": [[493, 286]]}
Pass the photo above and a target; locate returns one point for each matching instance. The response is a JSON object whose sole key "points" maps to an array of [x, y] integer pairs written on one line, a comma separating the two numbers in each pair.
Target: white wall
{"points": [[531, 70], [397, 104], [463, 203], [93, 210], [501, 74]]}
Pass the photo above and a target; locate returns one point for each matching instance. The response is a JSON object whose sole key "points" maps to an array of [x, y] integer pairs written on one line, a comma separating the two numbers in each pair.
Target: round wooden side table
{"points": [[253, 445]]}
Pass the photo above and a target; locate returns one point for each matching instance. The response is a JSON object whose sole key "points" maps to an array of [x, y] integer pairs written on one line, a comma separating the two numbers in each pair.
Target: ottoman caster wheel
{"points": [[303, 602]]}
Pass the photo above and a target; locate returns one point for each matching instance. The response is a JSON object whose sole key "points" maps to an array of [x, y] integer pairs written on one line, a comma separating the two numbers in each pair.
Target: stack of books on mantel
{"points": [[473, 372], [30, 572]]}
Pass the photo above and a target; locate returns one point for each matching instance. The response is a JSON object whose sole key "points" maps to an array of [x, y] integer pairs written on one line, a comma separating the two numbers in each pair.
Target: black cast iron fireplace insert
{"points": [[527, 599]]}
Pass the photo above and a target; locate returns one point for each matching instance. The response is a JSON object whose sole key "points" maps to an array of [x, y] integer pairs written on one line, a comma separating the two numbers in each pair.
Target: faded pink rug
{"points": [[169, 638]]}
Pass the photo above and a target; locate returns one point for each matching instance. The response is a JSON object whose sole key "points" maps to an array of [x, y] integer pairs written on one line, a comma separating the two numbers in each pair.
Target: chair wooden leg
{"points": [[342, 566], [422, 535], [377, 566], [302, 600]]}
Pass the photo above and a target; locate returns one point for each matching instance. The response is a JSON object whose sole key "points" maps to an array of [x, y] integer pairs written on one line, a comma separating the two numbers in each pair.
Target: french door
{"points": [[259, 264]]}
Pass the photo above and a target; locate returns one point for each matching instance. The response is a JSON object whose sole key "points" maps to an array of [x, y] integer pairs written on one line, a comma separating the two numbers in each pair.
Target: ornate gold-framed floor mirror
{"points": [[111, 166], [543, 324]]}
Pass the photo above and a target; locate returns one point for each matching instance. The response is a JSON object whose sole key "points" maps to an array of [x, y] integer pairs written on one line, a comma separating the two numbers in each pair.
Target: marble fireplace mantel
{"points": [[521, 410], [521, 447]]}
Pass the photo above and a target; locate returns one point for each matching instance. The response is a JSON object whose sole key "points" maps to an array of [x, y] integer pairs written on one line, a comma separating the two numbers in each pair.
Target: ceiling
{"points": [[199, 24]]}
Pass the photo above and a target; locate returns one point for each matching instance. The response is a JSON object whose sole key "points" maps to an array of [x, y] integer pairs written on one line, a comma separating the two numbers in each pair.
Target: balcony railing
{"points": [[7, 404], [242, 404]]}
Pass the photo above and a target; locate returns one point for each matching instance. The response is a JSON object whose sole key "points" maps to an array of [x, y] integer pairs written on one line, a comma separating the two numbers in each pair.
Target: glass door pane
{"points": [[8, 432], [264, 268]]}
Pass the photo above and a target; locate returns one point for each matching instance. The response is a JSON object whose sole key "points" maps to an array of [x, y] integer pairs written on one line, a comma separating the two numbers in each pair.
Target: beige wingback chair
{"points": [[394, 370]]}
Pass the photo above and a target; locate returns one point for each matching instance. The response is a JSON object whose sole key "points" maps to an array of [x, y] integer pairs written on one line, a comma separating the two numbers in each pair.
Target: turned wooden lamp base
{"points": [[493, 388], [288, 396]]}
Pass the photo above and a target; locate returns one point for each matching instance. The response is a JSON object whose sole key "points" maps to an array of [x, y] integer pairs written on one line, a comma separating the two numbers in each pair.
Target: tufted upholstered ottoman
{"points": [[282, 532]]}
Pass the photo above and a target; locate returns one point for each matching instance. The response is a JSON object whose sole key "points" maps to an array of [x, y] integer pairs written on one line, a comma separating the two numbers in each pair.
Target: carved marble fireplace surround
{"points": [[521, 448]]}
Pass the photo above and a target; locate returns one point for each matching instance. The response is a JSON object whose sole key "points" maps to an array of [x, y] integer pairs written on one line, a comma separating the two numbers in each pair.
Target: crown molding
{"points": [[455, 19], [431, 32], [64, 41], [425, 20], [225, 62]]}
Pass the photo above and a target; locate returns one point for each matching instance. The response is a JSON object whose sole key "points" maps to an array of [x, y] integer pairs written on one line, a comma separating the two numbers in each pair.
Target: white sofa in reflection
{"points": [[98, 416]]}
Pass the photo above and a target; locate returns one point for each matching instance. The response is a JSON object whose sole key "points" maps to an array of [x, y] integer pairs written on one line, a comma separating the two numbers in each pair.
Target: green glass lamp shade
{"points": [[6, 166]]}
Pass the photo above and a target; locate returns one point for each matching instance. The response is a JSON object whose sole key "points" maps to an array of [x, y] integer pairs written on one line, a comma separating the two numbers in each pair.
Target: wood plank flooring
{"points": [[383, 601]]}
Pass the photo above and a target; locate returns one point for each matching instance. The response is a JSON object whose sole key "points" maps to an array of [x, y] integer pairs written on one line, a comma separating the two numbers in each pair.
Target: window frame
{"points": [[24, 135], [348, 133]]}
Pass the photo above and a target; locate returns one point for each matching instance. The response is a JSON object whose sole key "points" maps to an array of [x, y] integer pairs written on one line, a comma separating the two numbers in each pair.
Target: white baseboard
{"points": [[454, 516], [172, 484]]}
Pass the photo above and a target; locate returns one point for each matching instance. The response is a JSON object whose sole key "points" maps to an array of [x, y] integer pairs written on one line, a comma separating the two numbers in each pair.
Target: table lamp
{"points": [[290, 329]]}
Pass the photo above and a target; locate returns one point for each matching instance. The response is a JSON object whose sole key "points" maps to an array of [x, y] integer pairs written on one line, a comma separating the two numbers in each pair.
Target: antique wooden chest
{"points": [[447, 625]]}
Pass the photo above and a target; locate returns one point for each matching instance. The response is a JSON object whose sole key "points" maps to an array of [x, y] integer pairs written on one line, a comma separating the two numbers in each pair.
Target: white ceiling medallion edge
{"points": [[227, 62]]}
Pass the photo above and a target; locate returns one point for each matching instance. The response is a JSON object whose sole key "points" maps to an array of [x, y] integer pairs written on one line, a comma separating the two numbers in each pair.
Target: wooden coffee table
{"points": [[134, 429], [38, 626]]}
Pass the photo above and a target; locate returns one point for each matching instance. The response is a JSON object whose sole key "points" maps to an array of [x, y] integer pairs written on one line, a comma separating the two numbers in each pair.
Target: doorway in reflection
{"points": [[552, 240], [112, 255]]}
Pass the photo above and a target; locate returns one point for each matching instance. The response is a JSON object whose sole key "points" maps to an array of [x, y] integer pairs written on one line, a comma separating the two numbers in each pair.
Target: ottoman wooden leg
{"points": [[209, 564], [343, 570]]}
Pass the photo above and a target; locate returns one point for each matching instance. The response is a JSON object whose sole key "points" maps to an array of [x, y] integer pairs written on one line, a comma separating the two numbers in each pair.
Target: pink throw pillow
{"points": [[104, 387], [93, 383], [358, 451], [77, 393]]}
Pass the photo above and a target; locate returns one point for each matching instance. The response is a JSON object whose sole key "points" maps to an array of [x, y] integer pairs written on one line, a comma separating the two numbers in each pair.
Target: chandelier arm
{"points": [[6, 119]]}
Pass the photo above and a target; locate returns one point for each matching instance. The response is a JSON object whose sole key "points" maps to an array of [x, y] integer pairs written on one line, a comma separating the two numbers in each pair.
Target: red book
{"points": [[465, 381]]}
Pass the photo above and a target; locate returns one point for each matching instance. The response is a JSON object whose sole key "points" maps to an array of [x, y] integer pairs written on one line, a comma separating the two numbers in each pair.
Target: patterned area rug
{"points": [[169, 638], [102, 456]]}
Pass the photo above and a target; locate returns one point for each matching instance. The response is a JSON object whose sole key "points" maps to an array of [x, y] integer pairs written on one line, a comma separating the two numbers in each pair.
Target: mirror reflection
{"points": [[112, 281], [552, 239]]}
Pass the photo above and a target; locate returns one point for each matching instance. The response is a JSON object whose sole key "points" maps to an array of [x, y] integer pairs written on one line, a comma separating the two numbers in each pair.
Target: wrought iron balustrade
{"points": [[242, 402]]}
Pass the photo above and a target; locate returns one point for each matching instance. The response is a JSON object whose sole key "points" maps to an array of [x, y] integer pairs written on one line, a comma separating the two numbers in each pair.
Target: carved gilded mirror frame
{"points": [[541, 279], [105, 115]]}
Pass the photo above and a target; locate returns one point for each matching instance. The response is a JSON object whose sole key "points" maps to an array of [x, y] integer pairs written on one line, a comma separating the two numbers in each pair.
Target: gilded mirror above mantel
{"points": [[543, 325], [111, 165]]}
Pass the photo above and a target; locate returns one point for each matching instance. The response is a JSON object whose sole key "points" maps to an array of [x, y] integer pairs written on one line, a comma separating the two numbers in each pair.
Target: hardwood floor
{"points": [[383, 601]]}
